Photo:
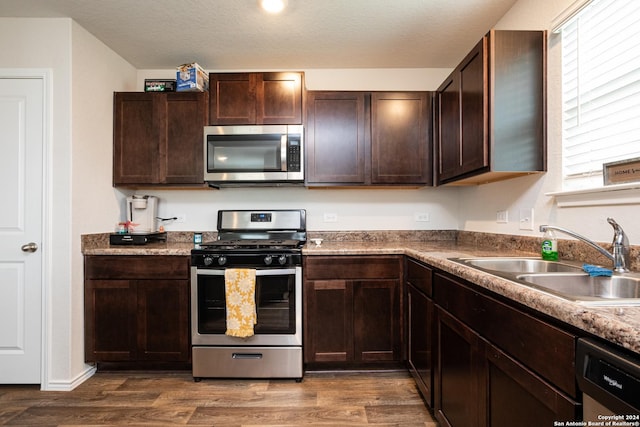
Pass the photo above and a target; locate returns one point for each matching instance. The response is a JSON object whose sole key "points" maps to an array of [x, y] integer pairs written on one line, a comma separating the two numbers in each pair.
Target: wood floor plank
{"points": [[371, 397], [85, 398], [269, 416], [91, 416], [244, 399], [398, 414]]}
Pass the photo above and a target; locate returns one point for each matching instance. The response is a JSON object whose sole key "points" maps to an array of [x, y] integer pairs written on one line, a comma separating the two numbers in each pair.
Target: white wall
{"points": [[480, 204], [97, 72]]}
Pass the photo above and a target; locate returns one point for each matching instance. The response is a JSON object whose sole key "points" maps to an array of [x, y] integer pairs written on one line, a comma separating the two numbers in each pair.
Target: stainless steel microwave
{"points": [[246, 155]]}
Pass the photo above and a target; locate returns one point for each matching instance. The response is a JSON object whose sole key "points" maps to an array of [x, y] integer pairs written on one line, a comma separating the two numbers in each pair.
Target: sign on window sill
{"points": [[618, 194], [622, 171]]}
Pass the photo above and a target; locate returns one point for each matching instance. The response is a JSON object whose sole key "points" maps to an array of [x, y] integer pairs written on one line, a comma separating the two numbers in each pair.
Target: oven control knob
{"points": [[282, 259], [222, 260], [207, 260], [268, 260]]}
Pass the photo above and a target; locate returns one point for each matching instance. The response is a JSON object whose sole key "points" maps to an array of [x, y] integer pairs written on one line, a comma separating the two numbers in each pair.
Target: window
{"points": [[601, 89]]}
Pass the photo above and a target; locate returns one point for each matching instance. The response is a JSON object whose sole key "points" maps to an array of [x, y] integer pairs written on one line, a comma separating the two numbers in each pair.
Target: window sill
{"points": [[620, 194]]}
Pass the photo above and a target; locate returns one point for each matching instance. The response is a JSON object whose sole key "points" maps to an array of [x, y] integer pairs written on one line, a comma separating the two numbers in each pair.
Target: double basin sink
{"points": [[561, 278]]}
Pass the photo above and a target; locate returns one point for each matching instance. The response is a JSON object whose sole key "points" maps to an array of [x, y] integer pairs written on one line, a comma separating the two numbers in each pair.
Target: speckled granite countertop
{"points": [[618, 325]]}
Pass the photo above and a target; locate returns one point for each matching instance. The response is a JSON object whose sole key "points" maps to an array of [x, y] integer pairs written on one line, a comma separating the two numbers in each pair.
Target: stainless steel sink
{"points": [[565, 279], [520, 265], [584, 287]]}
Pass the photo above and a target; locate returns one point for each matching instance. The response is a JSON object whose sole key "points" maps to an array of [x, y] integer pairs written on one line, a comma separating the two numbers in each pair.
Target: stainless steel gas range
{"points": [[267, 244]]}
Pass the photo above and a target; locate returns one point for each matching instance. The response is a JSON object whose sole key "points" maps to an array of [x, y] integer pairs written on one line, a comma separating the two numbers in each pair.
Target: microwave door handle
{"points": [[283, 152]]}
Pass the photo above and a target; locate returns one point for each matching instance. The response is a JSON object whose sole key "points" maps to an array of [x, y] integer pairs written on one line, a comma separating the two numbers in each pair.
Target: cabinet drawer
{"points": [[419, 276], [352, 267], [131, 267], [541, 346]]}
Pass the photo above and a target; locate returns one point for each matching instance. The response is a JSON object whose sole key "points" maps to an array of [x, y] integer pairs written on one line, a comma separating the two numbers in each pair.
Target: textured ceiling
{"points": [[237, 35]]}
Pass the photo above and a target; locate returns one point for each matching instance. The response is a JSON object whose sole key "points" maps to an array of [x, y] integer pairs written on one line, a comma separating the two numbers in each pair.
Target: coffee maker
{"points": [[142, 212]]}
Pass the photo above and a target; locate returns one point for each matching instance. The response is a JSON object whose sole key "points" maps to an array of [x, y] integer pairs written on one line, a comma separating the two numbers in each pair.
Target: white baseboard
{"points": [[57, 385]]}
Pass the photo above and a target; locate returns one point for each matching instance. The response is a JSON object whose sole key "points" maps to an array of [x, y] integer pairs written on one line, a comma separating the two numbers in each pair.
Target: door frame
{"points": [[44, 74]]}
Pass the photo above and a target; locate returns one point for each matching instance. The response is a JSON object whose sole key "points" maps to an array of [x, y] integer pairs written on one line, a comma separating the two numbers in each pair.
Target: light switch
{"points": [[526, 219]]}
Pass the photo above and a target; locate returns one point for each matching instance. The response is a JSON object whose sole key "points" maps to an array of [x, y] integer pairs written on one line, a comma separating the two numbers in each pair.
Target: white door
{"points": [[21, 219]]}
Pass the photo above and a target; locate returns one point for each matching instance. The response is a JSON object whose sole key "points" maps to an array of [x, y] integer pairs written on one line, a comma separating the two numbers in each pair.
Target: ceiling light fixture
{"points": [[273, 6]]}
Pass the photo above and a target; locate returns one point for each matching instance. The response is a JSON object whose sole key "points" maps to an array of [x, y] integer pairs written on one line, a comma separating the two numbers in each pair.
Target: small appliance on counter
{"points": [[141, 223]]}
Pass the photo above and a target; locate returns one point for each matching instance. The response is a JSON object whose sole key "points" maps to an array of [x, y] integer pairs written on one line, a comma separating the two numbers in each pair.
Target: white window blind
{"points": [[601, 89]]}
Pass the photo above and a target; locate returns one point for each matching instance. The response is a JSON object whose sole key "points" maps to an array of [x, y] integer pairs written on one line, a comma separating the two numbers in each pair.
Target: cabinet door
{"points": [[110, 320], [462, 117], [232, 98], [376, 320], [182, 158], [328, 312], [518, 397], [448, 124], [401, 138], [279, 97], [138, 119], [163, 320], [421, 328], [337, 126], [474, 121], [459, 395]]}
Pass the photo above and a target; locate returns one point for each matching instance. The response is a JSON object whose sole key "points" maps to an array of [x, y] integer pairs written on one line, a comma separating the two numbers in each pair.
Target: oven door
{"points": [[278, 306]]}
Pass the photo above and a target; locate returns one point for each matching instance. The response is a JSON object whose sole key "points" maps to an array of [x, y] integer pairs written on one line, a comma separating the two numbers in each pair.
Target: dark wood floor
{"points": [[381, 399]]}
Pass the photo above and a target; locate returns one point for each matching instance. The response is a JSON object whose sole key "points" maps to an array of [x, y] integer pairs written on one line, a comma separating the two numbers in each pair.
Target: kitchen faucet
{"points": [[620, 255]]}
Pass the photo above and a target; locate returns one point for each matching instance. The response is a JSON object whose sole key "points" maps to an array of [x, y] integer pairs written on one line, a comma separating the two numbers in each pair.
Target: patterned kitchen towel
{"points": [[240, 286], [594, 270]]}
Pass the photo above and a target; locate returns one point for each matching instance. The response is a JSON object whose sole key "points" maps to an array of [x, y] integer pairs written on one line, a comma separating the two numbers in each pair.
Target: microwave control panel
{"points": [[293, 154]]}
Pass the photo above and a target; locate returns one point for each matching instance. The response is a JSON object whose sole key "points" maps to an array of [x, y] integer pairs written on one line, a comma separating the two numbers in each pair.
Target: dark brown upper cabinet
{"points": [[368, 138], [255, 98], [490, 113], [157, 138]]}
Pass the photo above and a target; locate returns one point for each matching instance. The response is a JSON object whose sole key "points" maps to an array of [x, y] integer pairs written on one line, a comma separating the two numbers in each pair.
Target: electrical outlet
{"points": [[181, 219], [421, 216], [330, 217], [526, 219], [502, 217]]}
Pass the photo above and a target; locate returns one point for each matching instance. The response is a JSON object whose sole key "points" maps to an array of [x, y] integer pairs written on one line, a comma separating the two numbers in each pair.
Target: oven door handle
{"points": [[271, 272]]}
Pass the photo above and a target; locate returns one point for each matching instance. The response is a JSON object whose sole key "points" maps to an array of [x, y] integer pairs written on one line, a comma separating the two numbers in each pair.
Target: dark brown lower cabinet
{"points": [[420, 327], [498, 366], [516, 396], [137, 310], [352, 311], [458, 380]]}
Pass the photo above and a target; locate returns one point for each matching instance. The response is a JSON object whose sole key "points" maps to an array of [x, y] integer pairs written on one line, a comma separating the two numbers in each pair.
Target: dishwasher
{"points": [[610, 382]]}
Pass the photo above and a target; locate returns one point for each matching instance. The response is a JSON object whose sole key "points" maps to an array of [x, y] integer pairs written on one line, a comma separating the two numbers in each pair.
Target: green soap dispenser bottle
{"points": [[549, 249]]}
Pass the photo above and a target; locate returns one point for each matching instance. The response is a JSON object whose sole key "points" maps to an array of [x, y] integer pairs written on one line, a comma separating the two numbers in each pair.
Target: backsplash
{"points": [[573, 250]]}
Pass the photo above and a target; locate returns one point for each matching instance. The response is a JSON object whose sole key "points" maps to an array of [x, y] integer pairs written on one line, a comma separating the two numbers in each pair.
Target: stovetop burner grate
{"points": [[234, 244]]}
